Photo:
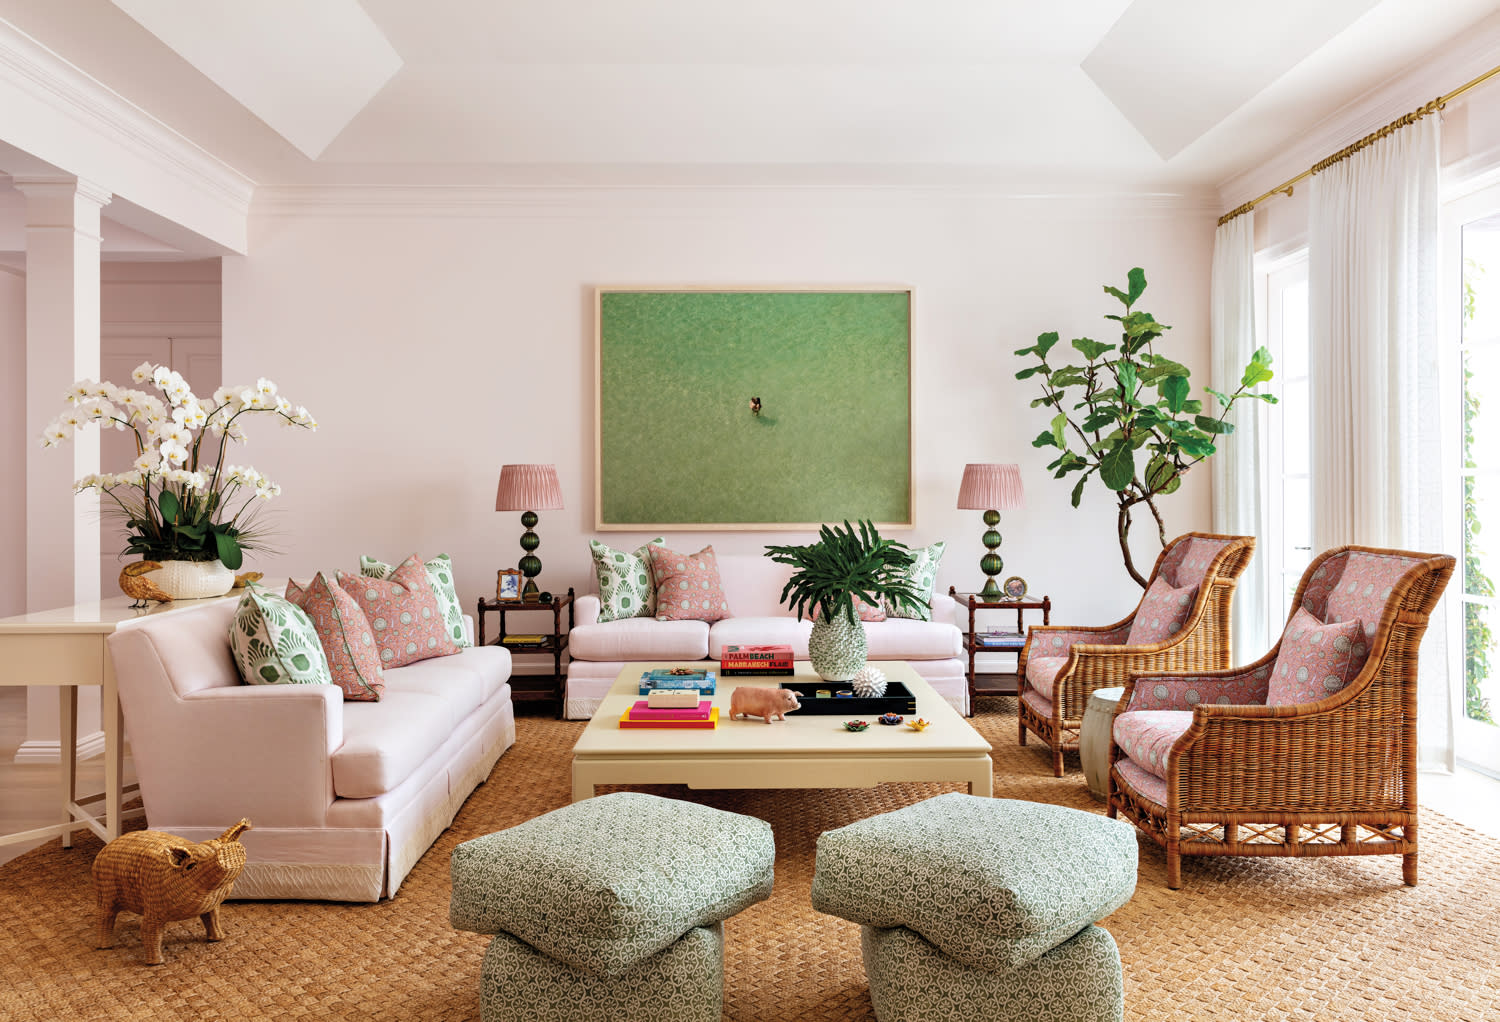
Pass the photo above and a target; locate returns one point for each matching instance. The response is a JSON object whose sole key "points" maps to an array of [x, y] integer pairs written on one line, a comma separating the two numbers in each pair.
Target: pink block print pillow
{"points": [[1161, 613], [345, 634], [1316, 660], [404, 614], [688, 587], [868, 611]]}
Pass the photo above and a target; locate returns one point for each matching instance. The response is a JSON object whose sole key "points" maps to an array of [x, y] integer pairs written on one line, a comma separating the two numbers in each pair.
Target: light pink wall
{"points": [[436, 339], [13, 440]]}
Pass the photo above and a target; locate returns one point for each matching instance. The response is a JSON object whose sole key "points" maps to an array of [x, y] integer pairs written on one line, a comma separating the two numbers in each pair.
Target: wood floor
{"points": [[28, 792]]}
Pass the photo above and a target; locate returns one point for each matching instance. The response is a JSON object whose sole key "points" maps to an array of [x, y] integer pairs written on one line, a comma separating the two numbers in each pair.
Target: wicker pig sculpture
{"points": [[766, 703], [166, 878]]}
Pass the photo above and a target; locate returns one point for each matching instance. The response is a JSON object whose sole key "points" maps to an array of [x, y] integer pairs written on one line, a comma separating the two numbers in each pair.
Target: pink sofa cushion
{"points": [[353, 660], [385, 743], [687, 585], [759, 631], [1316, 660], [1162, 612], [404, 615], [908, 639], [1147, 735], [639, 638]]}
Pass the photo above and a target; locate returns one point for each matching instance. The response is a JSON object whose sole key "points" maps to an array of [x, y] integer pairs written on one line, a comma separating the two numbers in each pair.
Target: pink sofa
{"points": [[344, 796], [752, 585]]}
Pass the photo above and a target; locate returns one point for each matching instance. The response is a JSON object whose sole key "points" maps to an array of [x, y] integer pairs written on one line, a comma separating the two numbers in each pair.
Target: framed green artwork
{"points": [[752, 408]]}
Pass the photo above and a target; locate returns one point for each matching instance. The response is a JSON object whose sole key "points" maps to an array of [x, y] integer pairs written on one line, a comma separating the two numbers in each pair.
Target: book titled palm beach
{"points": [[751, 661]]}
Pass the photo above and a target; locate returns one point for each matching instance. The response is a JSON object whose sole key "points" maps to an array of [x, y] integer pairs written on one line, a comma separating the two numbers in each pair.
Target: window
{"points": [[1288, 511]]}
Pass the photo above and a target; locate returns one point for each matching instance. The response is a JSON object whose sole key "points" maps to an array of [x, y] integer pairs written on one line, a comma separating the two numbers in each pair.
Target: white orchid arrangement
{"points": [[175, 508]]}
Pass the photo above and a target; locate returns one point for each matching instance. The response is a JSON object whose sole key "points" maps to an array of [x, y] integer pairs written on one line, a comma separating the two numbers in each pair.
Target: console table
{"points": [[976, 602], [65, 648]]}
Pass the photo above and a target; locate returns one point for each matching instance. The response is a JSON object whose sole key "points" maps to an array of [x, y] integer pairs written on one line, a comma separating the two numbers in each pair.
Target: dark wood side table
{"points": [[527, 687], [996, 684]]}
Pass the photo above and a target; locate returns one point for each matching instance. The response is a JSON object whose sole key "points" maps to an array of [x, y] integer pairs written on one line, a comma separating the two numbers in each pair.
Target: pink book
{"points": [[640, 711]]}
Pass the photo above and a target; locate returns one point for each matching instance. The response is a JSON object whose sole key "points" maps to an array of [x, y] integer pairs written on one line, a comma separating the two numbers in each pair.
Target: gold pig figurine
{"points": [[165, 878]]}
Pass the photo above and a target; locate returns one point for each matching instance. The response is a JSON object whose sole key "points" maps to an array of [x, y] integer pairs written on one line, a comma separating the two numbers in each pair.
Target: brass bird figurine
{"points": [[246, 577], [141, 589]]}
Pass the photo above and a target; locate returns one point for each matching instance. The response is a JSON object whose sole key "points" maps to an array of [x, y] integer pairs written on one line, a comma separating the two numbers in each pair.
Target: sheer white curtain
{"points": [[1377, 458], [1236, 468]]}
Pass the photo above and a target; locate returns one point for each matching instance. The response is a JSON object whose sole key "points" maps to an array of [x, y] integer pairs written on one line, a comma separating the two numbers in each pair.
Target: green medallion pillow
{"points": [[627, 588], [923, 578], [274, 642], [440, 578]]}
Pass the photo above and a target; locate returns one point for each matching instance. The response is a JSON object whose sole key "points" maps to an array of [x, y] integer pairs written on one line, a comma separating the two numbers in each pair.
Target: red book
{"points": [[768, 658], [642, 711], [712, 721]]}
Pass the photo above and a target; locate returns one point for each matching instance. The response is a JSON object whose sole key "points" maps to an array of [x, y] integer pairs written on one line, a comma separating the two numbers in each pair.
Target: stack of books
{"points": [[662, 679], [524, 641], [997, 638], [704, 715], [755, 661]]}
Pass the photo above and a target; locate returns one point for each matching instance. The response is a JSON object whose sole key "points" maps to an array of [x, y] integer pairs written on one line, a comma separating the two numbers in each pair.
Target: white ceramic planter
{"points": [[837, 648], [193, 580]]}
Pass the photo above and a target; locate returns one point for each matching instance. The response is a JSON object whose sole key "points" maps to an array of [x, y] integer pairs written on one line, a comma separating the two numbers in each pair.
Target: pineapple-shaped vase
{"points": [[837, 648]]}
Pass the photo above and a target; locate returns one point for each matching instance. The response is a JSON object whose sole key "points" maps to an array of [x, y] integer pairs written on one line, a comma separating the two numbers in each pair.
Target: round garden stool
{"points": [[1094, 739]]}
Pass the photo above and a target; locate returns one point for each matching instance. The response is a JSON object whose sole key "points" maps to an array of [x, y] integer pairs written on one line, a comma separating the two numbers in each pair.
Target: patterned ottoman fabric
{"points": [[910, 980], [684, 983], [995, 883], [606, 883]]}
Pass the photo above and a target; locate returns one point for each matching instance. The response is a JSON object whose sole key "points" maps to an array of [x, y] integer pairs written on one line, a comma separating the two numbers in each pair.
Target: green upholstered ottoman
{"points": [[620, 894], [910, 980], [684, 983], [993, 885]]}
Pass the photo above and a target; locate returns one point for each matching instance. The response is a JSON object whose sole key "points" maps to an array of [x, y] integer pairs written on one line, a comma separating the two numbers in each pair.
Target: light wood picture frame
{"points": [[752, 407]]}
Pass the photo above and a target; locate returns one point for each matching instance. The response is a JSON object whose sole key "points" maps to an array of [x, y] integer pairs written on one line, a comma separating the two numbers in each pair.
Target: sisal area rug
{"points": [[1336, 938]]}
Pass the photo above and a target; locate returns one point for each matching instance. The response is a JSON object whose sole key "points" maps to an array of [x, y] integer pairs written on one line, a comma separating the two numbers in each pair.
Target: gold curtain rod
{"points": [[1285, 188]]}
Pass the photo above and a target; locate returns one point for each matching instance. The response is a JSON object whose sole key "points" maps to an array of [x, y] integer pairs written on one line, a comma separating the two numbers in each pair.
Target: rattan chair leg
{"points": [[1409, 869], [1021, 719], [1057, 760]]}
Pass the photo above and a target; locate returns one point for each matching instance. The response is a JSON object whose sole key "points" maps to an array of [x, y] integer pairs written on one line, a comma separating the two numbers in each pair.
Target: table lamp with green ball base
{"points": [[529, 489], [991, 489]]}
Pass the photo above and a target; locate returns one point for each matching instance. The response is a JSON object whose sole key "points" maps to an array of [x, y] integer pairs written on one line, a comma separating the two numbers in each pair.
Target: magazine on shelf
{"points": [[999, 638]]}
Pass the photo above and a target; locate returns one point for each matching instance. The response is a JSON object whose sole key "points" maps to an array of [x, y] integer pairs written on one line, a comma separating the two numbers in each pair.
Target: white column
{"points": [[62, 345]]}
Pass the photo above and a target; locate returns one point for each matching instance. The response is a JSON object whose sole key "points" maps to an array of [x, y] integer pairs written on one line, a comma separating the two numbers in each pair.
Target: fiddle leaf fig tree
{"points": [[1124, 412]]}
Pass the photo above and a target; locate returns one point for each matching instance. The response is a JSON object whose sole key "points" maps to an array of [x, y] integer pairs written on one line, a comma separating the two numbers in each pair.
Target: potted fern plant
{"points": [[844, 564]]}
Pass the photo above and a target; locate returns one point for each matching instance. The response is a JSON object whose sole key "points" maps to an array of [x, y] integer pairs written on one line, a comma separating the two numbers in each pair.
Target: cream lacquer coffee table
{"points": [[804, 751]]}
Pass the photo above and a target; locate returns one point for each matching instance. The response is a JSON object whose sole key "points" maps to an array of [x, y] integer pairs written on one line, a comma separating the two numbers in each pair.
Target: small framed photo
{"points": [[508, 584], [1014, 588]]}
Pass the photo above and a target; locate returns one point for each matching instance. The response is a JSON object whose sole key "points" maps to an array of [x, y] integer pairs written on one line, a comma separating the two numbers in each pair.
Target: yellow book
{"points": [[524, 640]]}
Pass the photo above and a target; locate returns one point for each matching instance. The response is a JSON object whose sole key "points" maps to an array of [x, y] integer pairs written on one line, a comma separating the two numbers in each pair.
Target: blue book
{"points": [[703, 680]]}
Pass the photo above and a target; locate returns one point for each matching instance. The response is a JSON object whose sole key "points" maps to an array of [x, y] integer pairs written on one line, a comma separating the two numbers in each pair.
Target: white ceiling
{"points": [[1016, 93]]}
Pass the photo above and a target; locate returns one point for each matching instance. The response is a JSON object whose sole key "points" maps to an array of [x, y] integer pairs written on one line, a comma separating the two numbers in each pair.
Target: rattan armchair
{"points": [[1222, 773], [1061, 666]]}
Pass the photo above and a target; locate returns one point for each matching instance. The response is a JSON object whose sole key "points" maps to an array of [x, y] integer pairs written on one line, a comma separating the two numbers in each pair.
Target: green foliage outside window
{"points": [[1479, 639]]}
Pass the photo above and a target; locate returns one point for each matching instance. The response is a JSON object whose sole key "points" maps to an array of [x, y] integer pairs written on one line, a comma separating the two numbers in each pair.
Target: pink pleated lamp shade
{"points": [[991, 488], [528, 488]]}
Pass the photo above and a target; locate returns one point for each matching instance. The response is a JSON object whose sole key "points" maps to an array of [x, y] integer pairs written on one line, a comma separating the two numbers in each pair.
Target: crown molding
{"points": [[1436, 73], [39, 72], [527, 202]]}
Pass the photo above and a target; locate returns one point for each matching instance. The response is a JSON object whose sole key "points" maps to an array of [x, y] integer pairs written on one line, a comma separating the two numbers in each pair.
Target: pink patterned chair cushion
{"points": [[1162, 613], [342, 628], [1354, 584], [1188, 560], [1144, 783], [688, 587], [1048, 641], [1316, 660], [1038, 702], [403, 612], [1147, 735], [1179, 692], [1041, 672]]}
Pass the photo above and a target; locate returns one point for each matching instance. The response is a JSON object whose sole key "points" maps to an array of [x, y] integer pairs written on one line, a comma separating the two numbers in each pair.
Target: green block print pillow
{"points": [[440, 577], [923, 578], [627, 587], [274, 643]]}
